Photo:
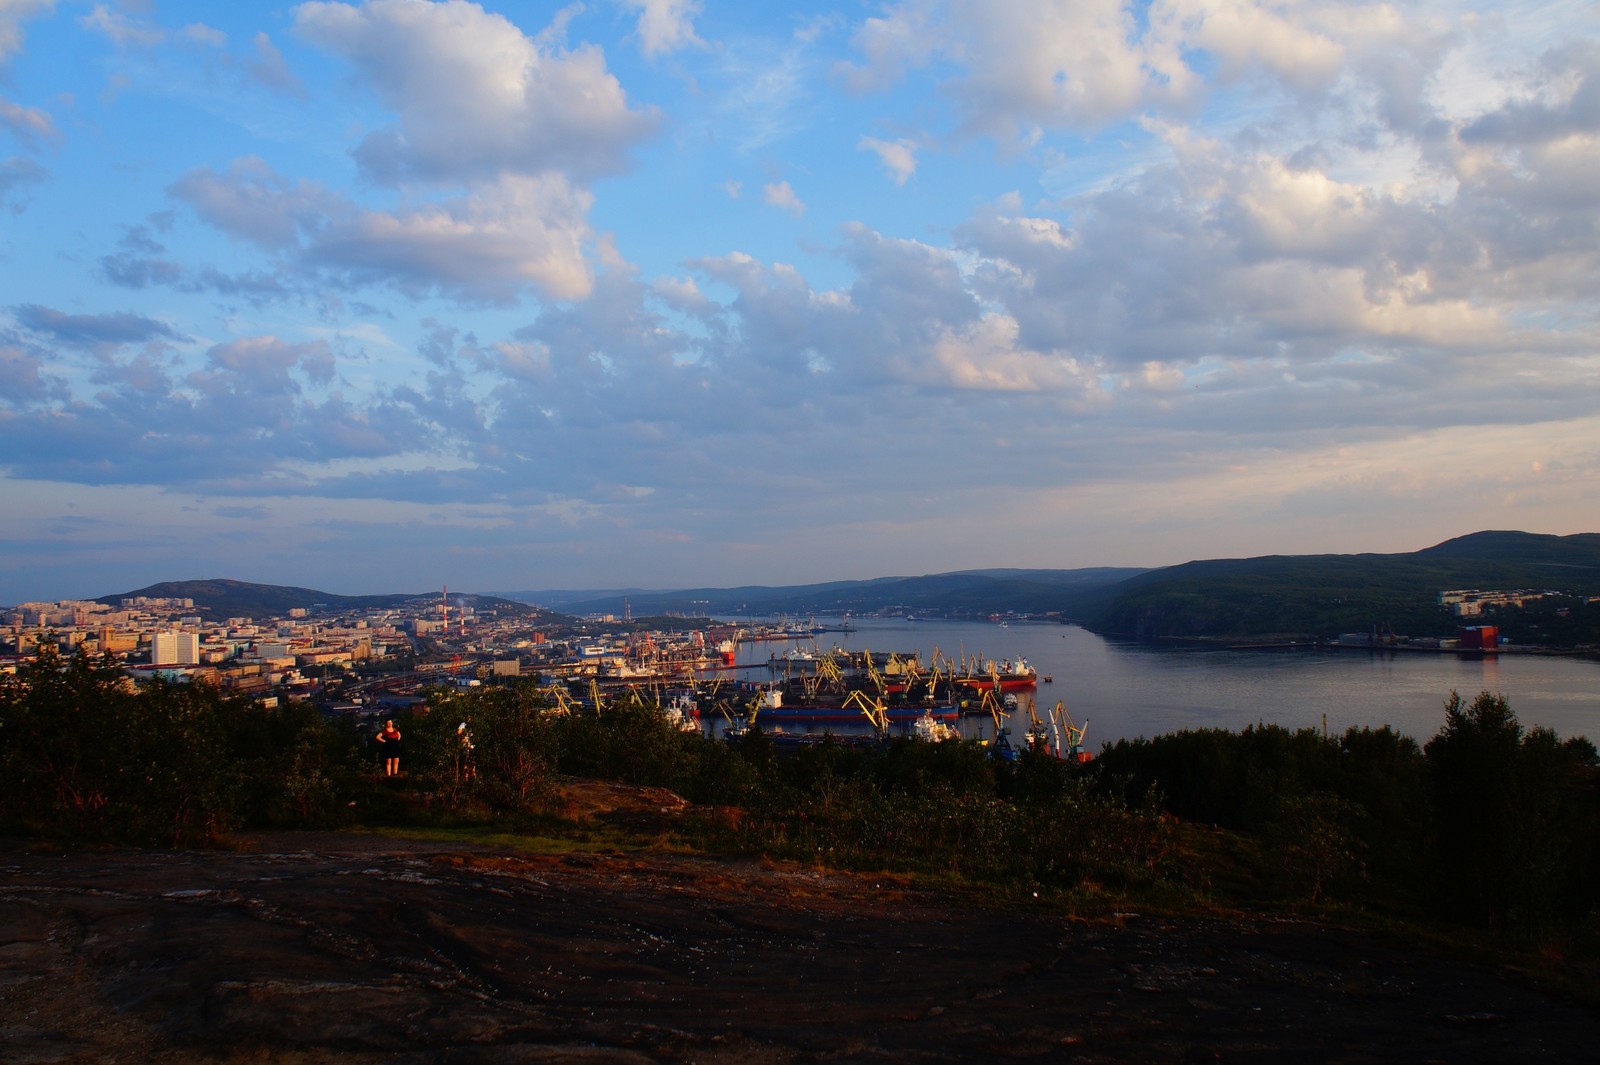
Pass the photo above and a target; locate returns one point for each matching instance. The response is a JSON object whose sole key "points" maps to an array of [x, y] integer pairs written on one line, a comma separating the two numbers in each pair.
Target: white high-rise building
{"points": [[175, 649]]}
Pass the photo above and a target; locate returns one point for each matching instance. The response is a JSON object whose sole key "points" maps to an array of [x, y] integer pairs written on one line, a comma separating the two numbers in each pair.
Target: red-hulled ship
{"points": [[1006, 676]]}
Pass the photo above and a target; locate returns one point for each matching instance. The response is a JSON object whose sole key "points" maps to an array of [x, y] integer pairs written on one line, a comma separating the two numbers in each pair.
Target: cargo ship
{"points": [[1004, 676], [773, 710]]}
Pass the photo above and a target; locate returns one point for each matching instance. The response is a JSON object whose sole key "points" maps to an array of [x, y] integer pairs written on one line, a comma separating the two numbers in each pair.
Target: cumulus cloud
{"points": [[475, 97], [1298, 41], [261, 366], [504, 237], [665, 25], [1563, 100], [256, 409], [1017, 66], [1310, 245], [781, 194], [985, 356], [899, 157], [1066, 62], [501, 238], [252, 201]]}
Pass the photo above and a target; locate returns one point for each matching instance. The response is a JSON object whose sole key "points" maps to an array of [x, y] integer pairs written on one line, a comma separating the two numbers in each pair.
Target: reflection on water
{"points": [[1126, 689]]}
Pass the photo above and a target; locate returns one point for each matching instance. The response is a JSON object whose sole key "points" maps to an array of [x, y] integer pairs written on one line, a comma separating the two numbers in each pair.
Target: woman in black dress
{"points": [[389, 749]]}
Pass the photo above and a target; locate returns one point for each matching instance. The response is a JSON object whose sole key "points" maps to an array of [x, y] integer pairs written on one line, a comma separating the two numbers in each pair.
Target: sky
{"points": [[385, 296]]}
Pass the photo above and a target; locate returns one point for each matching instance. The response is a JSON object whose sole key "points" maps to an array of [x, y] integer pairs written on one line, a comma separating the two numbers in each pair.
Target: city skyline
{"points": [[367, 297]]}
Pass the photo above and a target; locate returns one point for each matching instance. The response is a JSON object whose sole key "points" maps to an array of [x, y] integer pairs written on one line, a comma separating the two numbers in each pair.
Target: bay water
{"points": [[1128, 689]]}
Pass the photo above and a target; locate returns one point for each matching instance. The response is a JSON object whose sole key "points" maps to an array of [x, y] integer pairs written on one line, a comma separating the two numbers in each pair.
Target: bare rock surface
{"points": [[313, 948]]}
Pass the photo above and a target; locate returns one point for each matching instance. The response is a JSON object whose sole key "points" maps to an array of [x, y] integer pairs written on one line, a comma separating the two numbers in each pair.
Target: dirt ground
{"points": [[314, 948]]}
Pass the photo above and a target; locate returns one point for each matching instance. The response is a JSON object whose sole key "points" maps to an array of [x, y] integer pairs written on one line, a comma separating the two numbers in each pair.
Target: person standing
{"points": [[389, 749], [466, 765]]}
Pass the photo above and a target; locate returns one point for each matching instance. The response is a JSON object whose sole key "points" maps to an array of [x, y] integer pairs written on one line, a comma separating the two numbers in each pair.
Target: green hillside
{"points": [[1312, 596]]}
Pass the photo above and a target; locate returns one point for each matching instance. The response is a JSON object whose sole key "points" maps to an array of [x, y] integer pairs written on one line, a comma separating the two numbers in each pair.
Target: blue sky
{"points": [[382, 296]]}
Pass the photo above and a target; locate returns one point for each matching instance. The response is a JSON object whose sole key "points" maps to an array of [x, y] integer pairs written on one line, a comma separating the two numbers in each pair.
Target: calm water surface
{"points": [[1128, 689]]}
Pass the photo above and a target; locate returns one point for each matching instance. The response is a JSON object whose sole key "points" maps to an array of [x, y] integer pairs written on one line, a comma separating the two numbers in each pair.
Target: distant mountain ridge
{"points": [[965, 591], [219, 599], [1289, 596]]}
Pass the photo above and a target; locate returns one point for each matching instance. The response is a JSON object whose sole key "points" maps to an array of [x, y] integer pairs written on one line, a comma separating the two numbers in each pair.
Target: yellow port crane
{"points": [[874, 709], [828, 670], [558, 698], [1069, 741]]}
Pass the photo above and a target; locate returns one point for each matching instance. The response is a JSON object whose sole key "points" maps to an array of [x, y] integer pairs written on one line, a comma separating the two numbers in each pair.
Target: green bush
{"points": [[1518, 832], [84, 754]]}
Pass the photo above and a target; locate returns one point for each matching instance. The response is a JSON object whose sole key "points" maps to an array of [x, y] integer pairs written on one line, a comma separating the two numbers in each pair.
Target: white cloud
{"points": [[1020, 62], [1299, 41], [781, 195], [1280, 259], [122, 29], [201, 34], [1020, 66], [260, 366], [899, 157], [666, 25], [488, 245], [252, 201], [985, 356], [475, 96]]}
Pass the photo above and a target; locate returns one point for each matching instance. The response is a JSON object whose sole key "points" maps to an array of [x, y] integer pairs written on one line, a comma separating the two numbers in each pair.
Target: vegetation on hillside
{"points": [[1318, 596], [1487, 825]]}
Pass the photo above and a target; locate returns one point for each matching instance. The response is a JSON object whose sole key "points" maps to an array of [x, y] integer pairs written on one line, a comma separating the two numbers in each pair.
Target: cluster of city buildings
{"points": [[1471, 602], [423, 641], [167, 637]]}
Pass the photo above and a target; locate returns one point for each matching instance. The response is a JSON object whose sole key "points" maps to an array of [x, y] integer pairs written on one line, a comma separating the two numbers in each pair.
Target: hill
{"points": [[217, 600], [965, 592], [1272, 596], [1311, 596]]}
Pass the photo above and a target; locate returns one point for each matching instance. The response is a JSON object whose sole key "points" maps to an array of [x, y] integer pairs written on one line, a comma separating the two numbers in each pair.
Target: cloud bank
{"points": [[1069, 284]]}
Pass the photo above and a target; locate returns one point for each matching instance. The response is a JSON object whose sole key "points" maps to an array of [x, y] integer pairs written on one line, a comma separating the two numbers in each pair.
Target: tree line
{"points": [[1488, 824]]}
